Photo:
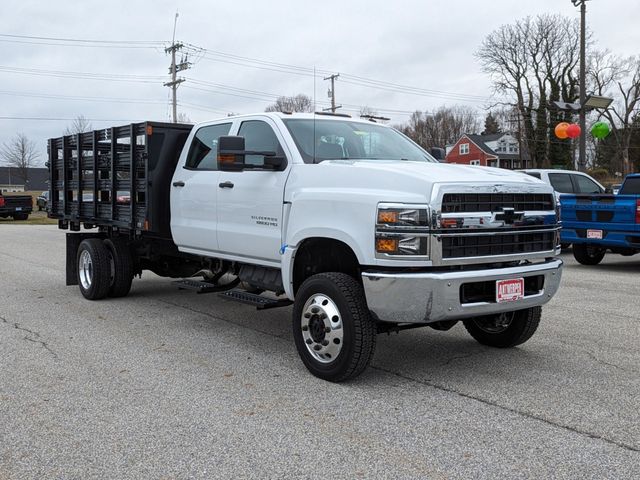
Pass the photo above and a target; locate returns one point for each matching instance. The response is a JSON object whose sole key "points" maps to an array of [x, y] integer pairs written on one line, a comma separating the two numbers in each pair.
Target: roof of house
{"points": [[38, 178]]}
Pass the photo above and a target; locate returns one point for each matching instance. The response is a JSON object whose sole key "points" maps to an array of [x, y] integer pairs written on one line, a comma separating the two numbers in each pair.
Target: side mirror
{"points": [[232, 156], [231, 153], [608, 190], [437, 153]]}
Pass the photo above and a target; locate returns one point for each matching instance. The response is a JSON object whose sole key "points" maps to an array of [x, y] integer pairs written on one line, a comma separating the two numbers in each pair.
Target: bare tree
{"points": [[184, 118], [367, 111], [299, 103], [444, 126], [80, 125], [619, 77], [535, 61], [20, 153]]}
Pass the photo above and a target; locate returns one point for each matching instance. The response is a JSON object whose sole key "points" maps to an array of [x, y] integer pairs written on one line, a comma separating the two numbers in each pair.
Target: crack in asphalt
{"points": [[35, 339], [484, 401], [593, 356], [530, 416], [460, 357]]}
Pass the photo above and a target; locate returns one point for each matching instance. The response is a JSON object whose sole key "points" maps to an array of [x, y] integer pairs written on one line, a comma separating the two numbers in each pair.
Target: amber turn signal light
{"points": [[386, 245], [387, 216]]}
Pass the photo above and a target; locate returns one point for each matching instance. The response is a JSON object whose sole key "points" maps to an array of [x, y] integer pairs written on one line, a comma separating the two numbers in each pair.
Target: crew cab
{"points": [[348, 220], [596, 224], [17, 206]]}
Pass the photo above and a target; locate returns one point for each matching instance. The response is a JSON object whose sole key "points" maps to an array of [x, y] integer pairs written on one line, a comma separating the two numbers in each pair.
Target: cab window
{"points": [[561, 182], [203, 153], [260, 137], [586, 185]]}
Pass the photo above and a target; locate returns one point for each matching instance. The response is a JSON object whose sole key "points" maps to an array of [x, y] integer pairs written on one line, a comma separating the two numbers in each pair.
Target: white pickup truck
{"points": [[347, 219]]}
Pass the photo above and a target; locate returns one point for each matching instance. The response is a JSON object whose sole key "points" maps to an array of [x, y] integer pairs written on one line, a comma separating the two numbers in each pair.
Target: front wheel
{"points": [[588, 254], [334, 332], [504, 330]]}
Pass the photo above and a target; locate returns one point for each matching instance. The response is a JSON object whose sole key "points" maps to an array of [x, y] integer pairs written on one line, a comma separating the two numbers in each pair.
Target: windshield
{"points": [[319, 140], [631, 186]]}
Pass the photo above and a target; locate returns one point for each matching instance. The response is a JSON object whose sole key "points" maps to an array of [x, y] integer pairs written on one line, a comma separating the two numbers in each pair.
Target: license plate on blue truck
{"points": [[595, 234]]}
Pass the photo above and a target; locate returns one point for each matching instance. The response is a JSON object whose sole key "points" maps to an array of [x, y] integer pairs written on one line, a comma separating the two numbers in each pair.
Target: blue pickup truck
{"points": [[595, 224]]}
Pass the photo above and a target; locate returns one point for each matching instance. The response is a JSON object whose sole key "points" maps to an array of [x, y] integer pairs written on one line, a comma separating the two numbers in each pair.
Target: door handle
{"points": [[178, 184], [226, 185]]}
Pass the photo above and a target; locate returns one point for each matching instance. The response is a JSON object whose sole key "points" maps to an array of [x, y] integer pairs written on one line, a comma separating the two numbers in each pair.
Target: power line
{"points": [[82, 75], [80, 40], [54, 96]]}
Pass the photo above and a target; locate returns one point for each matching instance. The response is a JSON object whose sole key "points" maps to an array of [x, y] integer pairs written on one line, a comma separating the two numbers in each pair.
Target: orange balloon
{"points": [[561, 130]]}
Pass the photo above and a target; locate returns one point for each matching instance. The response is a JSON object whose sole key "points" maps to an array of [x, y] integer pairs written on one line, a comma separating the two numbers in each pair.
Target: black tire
{"points": [[588, 254], [505, 330], [122, 267], [355, 324], [94, 279], [20, 216]]}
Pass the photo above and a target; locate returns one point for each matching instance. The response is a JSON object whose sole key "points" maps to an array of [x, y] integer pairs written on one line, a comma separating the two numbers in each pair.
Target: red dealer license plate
{"points": [[509, 290], [597, 234]]}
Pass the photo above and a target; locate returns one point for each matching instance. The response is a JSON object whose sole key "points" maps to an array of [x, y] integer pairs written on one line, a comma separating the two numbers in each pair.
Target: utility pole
{"points": [[582, 152], [174, 69], [332, 93]]}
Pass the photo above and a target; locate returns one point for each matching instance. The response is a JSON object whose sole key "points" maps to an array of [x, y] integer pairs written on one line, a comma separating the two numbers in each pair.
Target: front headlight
{"points": [[402, 217], [402, 231]]}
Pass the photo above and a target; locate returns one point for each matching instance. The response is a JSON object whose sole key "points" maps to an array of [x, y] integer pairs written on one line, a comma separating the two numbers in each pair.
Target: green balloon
{"points": [[600, 130]]}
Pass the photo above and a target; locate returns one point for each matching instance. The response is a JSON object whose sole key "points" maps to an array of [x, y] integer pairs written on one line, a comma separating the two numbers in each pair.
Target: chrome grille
{"points": [[493, 202], [507, 243]]}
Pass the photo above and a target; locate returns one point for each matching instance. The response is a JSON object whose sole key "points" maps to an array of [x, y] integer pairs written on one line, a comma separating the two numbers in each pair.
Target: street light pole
{"points": [[582, 152]]}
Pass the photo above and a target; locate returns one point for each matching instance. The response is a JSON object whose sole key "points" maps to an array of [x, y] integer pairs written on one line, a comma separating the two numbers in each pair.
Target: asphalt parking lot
{"points": [[169, 384]]}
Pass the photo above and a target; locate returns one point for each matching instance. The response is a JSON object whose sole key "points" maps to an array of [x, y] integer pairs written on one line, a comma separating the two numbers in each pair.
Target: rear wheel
{"points": [[588, 254], [20, 216], [94, 269], [121, 267], [333, 330], [506, 329]]}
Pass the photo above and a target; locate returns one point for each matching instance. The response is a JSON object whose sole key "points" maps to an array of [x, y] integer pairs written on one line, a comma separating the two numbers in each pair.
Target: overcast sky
{"points": [[425, 45]]}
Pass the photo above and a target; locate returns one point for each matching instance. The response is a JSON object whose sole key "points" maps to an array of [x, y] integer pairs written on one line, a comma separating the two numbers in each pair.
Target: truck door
{"points": [[194, 188], [250, 202]]}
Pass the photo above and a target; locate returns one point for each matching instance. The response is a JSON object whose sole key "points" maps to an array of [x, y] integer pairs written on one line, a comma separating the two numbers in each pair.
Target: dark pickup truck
{"points": [[17, 206], [595, 224]]}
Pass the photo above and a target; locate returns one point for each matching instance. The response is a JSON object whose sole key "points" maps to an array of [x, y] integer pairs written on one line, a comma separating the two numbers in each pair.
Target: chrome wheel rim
{"points": [[322, 329], [496, 324], [85, 269]]}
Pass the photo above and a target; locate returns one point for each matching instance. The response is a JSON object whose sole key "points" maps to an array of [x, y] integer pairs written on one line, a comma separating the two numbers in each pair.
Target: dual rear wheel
{"points": [[105, 268]]}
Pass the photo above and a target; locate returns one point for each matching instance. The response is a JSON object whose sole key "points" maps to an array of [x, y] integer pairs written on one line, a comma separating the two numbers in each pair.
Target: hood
{"points": [[440, 172]]}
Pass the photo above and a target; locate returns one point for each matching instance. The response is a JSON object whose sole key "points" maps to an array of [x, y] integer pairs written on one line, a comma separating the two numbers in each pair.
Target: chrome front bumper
{"points": [[432, 297]]}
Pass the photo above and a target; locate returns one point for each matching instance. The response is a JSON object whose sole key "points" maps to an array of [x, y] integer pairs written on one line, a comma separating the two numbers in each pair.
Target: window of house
{"points": [[203, 153], [464, 148], [513, 148], [474, 162]]}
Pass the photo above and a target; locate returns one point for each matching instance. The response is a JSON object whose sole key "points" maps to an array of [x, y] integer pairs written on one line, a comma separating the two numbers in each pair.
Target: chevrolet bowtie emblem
{"points": [[509, 216]]}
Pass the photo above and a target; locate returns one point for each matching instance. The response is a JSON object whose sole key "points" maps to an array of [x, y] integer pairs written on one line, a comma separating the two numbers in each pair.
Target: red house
{"points": [[498, 150]]}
